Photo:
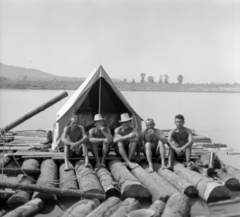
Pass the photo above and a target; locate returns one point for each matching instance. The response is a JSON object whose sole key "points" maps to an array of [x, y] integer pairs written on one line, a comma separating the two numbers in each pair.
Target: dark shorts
{"points": [[182, 157], [76, 153]]}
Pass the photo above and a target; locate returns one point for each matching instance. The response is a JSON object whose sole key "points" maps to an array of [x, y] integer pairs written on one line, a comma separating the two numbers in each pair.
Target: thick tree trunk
{"points": [[158, 207], [234, 172], [179, 183], [22, 197], [82, 208], [109, 186], [129, 185], [178, 205], [169, 189], [208, 189], [27, 209], [87, 179], [127, 206], [47, 178], [157, 190], [67, 178], [230, 182], [107, 208]]}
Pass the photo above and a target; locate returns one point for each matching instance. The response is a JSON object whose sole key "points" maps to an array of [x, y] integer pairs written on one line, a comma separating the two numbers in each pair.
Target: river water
{"points": [[215, 115]]}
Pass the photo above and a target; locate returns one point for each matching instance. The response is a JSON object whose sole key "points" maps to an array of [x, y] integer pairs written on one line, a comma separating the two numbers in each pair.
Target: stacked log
{"points": [[107, 208], [179, 183], [67, 178], [129, 185], [127, 206], [87, 178], [47, 178], [169, 189], [158, 207], [27, 209], [82, 208], [157, 190], [230, 182], [178, 205], [109, 186], [22, 197], [208, 189]]}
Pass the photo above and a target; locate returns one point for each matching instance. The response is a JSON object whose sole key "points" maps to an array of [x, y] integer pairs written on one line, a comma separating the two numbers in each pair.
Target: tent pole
{"points": [[100, 88]]}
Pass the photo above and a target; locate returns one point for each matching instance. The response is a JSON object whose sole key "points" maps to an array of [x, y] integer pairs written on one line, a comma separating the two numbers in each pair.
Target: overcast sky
{"points": [[197, 38]]}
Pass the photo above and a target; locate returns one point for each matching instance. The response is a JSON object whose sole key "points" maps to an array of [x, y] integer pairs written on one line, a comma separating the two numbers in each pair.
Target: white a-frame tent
{"points": [[97, 94]]}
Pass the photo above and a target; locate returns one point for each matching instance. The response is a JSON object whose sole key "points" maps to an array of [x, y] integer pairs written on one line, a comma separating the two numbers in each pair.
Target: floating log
{"points": [[109, 186], [107, 208], [129, 185], [234, 172], [82, 208], [22, 197], [179, 183], [57, 191], [208, 189], [169, 189], [67, 178], [4, 161], [230, 182], [17, 171], [158, 207], [47, 179], [33, 112], [87, 178], [157, 190], [127, 206], [178, 205], [27, 209]]}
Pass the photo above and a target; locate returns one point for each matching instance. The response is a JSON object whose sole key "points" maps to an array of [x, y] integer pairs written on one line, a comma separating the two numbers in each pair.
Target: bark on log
{"points": [[47, 178], [178, 205], [4, 161], [109, 186], [129, 185], [82, 208], [67, 178], [208, 189], [158, 207], [169, 189], [234, 172], [17, 171], [157, 190], [22, 197], [87, 179], [107, 208], [127, 206], [179, 183], [57, 191], [27, 209], [230, 182]]}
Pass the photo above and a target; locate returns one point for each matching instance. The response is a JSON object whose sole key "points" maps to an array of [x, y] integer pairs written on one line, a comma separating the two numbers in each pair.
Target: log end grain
{"points": [[191, 191], [135, 190], [232, 184], [216, 192]]}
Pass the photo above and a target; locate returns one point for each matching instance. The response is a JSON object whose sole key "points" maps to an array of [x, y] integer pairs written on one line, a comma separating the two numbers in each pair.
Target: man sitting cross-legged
{"points": [[126, 139], [180, 141], [101, 139], [153, 141], [74, 138]]}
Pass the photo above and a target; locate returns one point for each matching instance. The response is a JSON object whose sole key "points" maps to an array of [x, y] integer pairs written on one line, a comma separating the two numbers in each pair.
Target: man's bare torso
{"points": [[74, 135]]}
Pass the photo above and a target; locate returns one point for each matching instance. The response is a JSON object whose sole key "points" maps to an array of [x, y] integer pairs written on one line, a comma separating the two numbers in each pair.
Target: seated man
{"points": [[180, 141], [153, 141], [126, 138], [74, 138], [101, 139]]}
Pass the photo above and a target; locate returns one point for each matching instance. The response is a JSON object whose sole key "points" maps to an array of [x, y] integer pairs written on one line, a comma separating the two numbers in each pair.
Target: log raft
{"points": [[129, 185], [158, 207], [230, 182]]}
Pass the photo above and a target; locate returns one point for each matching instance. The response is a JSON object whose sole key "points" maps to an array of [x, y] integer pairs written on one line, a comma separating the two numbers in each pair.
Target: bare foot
{"points": [[68, 169], [87, 165], [103, 165], [150, 170], [132, 165], [163, 167]]}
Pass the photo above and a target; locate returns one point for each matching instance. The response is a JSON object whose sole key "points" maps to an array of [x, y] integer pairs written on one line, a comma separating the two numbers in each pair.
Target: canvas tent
{"points": [[97, 94]]}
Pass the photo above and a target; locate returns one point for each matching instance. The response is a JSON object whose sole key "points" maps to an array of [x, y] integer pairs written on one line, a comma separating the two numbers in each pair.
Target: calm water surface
{"points": [[216, 115]]}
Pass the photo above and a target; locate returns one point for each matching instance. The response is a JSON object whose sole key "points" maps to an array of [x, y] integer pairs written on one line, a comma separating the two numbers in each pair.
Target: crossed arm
{"points": [[106, 132], [131, 137]]}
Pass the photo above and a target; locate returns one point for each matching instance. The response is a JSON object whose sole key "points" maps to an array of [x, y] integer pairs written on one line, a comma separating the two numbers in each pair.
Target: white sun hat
{"points": [[125, 117]]}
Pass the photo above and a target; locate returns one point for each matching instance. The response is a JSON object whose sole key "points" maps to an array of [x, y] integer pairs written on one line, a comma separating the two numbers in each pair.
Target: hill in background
{"points": [[20, 73]]}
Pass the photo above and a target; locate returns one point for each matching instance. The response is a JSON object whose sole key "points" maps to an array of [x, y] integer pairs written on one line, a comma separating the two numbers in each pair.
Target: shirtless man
{"points": [[180, 141], [74, 138], [126, 138], [101, 139], [153, 141]]}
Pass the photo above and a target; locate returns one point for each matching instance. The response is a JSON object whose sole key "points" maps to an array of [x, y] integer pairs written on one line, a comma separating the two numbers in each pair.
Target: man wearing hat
{"points": [[74, 139], [126, 138], [100, 138]]}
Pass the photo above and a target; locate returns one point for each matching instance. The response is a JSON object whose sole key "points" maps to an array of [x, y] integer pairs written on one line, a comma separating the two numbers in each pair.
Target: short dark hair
{"points": [[179, 117], [149, 119]]}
